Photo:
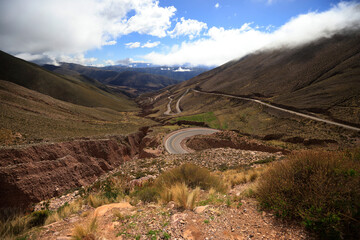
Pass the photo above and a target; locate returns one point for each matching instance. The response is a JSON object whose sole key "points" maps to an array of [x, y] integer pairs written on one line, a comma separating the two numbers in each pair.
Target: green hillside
{"points": [[29, 116], [70, 89]]}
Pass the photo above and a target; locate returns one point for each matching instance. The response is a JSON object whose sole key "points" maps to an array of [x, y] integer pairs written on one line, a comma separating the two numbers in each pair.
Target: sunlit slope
{"points": [[322, 77], [29, 116], [70, 89]]}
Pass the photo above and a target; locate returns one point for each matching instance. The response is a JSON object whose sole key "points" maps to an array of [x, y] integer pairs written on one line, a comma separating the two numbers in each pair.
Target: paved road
{"points": [[285, 110], [178, 102], [178, 110], [168, 111], [172, 142]]}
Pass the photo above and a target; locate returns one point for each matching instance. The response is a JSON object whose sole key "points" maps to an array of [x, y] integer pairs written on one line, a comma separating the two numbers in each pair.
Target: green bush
{"points": [[146, 194], [38, 218], [193, 176], [321, 189]]}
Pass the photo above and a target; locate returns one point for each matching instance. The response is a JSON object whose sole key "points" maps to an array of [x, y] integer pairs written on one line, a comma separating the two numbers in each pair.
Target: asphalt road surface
{"points": [[173, 141]]}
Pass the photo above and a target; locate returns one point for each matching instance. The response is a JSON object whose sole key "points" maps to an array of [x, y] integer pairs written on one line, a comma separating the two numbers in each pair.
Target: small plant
{"points": [[228, 202], [206, 221]]}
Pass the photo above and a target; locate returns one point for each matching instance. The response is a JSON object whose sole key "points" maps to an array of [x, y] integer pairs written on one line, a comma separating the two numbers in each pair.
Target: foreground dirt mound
{"points": [[31, 174], [229, 139]]}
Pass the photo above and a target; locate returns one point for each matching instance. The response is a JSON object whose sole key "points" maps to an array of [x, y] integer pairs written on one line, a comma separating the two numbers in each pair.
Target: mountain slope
{"points": [[71, 89], [321, 77], [29, 116]]}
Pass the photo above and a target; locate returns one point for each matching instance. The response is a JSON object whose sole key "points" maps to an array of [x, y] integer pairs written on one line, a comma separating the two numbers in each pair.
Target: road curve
{"points": [[172, 141], [178, 110], [284, 110], [168, 111]]}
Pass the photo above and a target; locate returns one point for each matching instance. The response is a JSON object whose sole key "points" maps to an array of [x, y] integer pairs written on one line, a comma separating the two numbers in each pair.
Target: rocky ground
{"points": [[234, 215]]}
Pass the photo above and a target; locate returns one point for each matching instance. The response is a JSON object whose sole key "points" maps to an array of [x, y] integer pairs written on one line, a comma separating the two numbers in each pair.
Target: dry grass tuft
{"points": [[241, 176], [96, 200], [193, 176], [184, 197], [65, 211], [85, 232]]}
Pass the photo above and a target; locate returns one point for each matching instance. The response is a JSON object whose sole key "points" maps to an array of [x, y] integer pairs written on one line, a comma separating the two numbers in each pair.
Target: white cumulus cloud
{"points": [[189, 27], [222, 45], [72, 27], [150, 44], [132, 45]]}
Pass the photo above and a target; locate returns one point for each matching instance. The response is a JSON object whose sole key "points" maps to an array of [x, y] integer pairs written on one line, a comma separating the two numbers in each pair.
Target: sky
{"points": [[165, 32]]}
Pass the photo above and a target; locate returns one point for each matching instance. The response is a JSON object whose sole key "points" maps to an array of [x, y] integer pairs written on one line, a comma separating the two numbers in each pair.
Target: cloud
{"points": [[60, 27], [150, 44], [109, 62], [222, 45], [132, 45], [112, 42], [188, 27], [180, 69], [217, 5]]}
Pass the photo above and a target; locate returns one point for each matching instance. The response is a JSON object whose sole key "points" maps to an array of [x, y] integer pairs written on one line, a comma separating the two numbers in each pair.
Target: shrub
{"points": [[193, 176], [322, 189], [38, 218], [146, 194]]}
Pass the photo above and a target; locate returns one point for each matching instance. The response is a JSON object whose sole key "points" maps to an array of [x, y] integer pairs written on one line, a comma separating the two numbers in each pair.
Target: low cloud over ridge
{"points": [[222, 45], [59, 29]]}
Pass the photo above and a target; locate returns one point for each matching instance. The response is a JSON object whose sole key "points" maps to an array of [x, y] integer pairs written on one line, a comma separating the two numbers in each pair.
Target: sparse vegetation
{"points": [[322, 189]]}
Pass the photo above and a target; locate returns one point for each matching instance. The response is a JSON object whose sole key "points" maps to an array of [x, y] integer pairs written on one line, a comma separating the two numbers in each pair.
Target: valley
{"points": [[117, 153]]}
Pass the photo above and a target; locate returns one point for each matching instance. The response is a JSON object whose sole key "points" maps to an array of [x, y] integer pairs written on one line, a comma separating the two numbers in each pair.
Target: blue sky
{"points": [[165, 32]]}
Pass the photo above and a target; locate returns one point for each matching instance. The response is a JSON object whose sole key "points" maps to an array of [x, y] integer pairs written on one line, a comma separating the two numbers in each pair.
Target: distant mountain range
{"points": [[132, 81]]}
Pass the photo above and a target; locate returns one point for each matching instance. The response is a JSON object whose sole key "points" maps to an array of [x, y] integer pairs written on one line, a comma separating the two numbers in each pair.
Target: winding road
{"points": [[178, 110], [284, 110], [172, 142]]}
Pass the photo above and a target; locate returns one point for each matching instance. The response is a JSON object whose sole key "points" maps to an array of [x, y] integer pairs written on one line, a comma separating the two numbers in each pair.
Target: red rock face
{"points": [[32, 174]]}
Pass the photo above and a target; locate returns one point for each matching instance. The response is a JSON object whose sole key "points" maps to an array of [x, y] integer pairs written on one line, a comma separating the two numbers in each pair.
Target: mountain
{"points": [[27, 116], [178, 73], [320, 77], [133, 81], [75, 89], [143, 82]]}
